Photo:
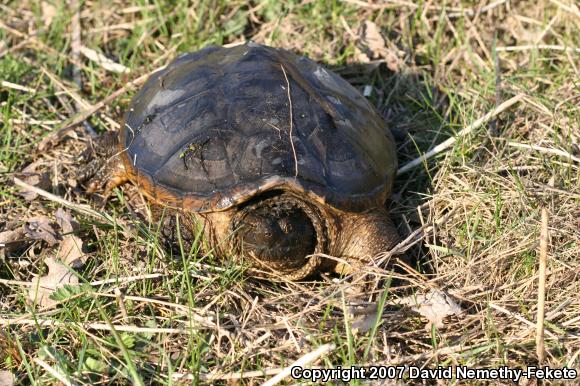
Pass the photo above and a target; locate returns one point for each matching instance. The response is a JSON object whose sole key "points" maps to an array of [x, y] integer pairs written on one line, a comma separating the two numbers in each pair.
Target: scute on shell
{"points": [[213, 129]]}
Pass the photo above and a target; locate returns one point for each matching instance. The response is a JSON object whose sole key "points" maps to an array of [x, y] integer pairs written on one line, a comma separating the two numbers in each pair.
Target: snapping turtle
{"points": [[281, 160]]}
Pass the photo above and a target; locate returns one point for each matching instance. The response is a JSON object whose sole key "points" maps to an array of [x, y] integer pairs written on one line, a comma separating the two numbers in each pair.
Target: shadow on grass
{"points": [[414, 109]]}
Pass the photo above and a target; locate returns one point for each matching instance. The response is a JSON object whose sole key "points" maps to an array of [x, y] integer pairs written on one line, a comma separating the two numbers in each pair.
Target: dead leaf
{"points": [[7, 378], [71, 250], [360, 56], [377, 47], [49, 12], [39, 228], [363, 323], [65, 221], [363, 318], [103, 61], [32, 176], [60, 268], [373, 40], [435, 306], [59, 274], [11, 239]]}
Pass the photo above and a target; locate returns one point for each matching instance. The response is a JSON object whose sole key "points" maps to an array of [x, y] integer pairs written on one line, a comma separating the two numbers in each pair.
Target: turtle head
{"points": [[280, 232]]}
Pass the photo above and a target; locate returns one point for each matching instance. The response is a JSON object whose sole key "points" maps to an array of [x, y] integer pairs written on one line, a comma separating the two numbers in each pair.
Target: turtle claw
{"points": [[101, 185]]}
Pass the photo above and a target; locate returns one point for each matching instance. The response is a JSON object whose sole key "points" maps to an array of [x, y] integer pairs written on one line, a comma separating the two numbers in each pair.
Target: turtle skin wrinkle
{"points": [[281, 161]]}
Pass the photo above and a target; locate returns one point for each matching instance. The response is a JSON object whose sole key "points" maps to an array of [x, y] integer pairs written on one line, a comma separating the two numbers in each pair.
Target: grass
{"points": [[193, 317]]}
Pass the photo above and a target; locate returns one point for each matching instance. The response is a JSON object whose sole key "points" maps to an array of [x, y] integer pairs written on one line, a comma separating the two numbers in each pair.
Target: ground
{"points": [[469, 215]]}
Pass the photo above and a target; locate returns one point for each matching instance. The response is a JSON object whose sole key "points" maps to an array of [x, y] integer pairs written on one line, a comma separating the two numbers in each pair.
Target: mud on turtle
{"points": [[281, 160]]}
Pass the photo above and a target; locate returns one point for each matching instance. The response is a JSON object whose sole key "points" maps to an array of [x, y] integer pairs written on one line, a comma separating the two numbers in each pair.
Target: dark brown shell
{"points": [[213, 129]]}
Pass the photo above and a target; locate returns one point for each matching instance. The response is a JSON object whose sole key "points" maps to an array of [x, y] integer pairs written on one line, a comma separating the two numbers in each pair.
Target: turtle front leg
{"points": [[108, 177], [362, 237], [104, 169]]}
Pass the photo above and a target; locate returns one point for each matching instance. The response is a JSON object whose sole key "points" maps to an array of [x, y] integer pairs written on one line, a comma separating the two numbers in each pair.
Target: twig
{"points": [[79, 208], [128, 279], [383, 6], [291, 124], [32, 121], [256, 343], [416, 236], [538, 47], [203, 320], [541, 149], [57, 136], [302, 362], [54, 372], [492, 6], [553, 314], [80, 102], [18, 87], [540, 351], [217, 376], [114, 280], [14, 48], [571, 321], [103, 61], [34, 40], [571, 8], [520, 318], [450, 141], [525, 281], [15, 282], [96, 326], [428, 355]]}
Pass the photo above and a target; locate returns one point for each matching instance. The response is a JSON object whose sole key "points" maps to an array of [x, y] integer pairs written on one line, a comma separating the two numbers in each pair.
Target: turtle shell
{"points": [[218, 126]]}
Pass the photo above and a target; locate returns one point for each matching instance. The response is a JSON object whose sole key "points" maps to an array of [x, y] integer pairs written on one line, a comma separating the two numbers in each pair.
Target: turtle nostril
{"points": [[286, 225], [280, 233]]}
